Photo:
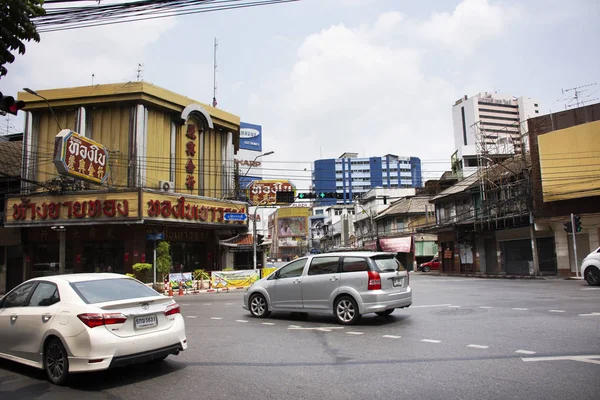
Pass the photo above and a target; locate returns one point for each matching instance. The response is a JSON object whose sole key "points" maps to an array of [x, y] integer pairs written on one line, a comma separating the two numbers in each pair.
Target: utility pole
{"points": [[574, 233], [214, 102]]}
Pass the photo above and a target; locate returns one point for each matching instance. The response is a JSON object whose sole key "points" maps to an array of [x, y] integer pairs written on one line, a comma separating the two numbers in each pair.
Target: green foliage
{"points": [[130, 275], [229, 269], [16, 26], [142, 267], [163, 258], [200, 274]]}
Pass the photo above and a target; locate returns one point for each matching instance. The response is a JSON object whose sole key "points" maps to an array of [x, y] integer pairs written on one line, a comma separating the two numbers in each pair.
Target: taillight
{"points": [[374, 280], [94, 320], [172, 309]]}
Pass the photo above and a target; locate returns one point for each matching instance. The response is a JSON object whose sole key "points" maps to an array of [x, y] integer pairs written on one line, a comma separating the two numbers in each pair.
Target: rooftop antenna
{"points": [[578, 98], [214, 101], [93, 78], [140, 71]]}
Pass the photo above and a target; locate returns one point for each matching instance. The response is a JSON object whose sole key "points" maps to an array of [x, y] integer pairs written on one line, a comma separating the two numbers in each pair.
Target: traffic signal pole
{"points": [[574, 233]]}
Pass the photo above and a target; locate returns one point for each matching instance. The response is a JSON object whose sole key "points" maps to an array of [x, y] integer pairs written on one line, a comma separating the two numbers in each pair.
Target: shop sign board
{"points": [[80, 157], [264, 192]]}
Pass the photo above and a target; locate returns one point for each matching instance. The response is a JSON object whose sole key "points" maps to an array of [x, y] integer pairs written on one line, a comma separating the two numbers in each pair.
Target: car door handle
{"points": [[46, 317], [333, 279], [297, 281], [13, 317]]}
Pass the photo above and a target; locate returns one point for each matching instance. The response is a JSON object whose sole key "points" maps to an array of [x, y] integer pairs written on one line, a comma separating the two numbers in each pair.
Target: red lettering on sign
{"points": [[42, 211], [69, 205], [190, 166], [79, 209], [190, 182], [190, 149], [191, 132]]}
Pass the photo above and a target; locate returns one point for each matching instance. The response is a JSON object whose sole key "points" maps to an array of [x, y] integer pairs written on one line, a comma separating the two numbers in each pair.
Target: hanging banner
{"points": [[233, 279], [184, 277]]}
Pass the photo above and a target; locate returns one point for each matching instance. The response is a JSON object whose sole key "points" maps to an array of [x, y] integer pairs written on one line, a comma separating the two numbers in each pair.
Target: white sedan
{"points": [[88, 322]]}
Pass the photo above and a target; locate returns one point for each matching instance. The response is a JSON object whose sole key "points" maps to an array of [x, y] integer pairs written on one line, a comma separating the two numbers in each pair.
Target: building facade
{"points": [[289, 232], [490, 124], [169, 161], [351, 176]]}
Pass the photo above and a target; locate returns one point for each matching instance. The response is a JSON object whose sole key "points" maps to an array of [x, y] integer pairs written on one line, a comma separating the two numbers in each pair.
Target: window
{"points": [[400, 224], [323, 265], [388, 264], [354, 264], [45, 294], [338, 212], [18, 297], [498, 111], [292, 270], [537, 111], [318, 212], [102, 290], [535, 104]]}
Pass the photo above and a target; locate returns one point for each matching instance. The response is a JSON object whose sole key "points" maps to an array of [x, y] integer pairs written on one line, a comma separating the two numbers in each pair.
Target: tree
{"points": [[163, 258], [16, 26]]}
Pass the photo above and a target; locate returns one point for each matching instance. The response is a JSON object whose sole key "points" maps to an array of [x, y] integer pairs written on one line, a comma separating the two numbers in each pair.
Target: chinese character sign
{"points": [[190, 151], [80, 157]]}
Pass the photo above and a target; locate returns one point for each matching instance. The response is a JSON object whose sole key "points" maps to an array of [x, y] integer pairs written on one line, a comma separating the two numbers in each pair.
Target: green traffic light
{"points": [[301, 196]]}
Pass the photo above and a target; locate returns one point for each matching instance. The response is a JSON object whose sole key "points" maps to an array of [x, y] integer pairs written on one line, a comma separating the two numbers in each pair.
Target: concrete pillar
{"points": [[561, 243]]}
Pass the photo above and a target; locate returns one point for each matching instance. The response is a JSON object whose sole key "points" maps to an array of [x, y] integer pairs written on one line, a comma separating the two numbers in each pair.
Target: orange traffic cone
{"points": [[170, 290], [180, 289]]}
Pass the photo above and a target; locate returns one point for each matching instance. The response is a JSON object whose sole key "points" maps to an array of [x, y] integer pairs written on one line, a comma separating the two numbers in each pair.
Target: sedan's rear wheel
{"points": [[56, 362], [258, 306], [592, 276], [346, 310]]}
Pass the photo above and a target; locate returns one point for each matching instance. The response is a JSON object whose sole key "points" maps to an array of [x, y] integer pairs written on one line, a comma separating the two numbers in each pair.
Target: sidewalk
{"points": [[497, 276]]}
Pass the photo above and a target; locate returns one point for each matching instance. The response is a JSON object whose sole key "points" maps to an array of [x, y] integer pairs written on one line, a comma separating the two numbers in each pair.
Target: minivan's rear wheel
{"points": [[592, 276], [258, 306], [56, 362], [346, 310], [385, 313]]}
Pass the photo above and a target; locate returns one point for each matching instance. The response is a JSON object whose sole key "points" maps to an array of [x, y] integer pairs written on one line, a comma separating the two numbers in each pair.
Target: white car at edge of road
{"points": [[590, 268]]}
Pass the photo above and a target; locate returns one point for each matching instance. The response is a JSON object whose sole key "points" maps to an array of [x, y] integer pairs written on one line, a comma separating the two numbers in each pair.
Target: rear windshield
{"points": [[100, 291], [387, 264]]}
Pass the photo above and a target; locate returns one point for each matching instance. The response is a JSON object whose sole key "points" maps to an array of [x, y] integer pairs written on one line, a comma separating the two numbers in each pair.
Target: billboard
{"points": [[317, 227], [250, 136], [291, 226], [80, 157], [265, 191]]}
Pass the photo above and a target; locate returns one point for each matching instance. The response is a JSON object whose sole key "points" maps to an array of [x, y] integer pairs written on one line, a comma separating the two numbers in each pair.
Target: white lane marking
{"points": [[240, 320], [453, 306], [191, 316], [322, 328], [594, 314], [478, 346], [228, 304], [268, 323], [431, 305], [185, 304], [486, 307], [216, 318], [520, 309], [586, 359], [431, 341], [207, 304], [556, 310], [591, 288], [355, 333], [391, 336], [525, 352]]}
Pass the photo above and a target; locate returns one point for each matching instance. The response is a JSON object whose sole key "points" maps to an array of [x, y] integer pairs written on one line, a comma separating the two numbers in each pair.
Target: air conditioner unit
{"points": [[166, 186]]}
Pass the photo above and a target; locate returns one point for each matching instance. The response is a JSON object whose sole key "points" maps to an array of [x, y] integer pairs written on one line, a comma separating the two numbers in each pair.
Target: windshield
{"points": [[387, 264], [100, 291]]}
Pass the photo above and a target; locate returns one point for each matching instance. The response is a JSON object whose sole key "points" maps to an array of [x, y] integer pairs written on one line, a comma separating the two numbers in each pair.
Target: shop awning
{"points": [[396, 245]]}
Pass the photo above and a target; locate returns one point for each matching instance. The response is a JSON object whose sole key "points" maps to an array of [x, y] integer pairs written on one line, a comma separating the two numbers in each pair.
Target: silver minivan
{"points": [[347, 284]]}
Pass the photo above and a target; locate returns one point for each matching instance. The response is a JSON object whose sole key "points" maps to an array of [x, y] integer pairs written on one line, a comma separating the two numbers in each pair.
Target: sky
{"points": [[324, 77]]}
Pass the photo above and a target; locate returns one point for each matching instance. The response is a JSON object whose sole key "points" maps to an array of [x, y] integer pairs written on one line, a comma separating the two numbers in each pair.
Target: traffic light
{"points": [[260, 239], [9, 105], [284, 197], [568, 227], [308, 195], [577, 219]]}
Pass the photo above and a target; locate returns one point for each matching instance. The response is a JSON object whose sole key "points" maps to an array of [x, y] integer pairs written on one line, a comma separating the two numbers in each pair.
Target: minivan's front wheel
{"points": [[56, 362], [258, 306], [346, 310]]}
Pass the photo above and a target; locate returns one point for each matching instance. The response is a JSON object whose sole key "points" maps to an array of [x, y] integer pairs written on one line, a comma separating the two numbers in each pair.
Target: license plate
{"points": [[397, 282], [145, 322]]}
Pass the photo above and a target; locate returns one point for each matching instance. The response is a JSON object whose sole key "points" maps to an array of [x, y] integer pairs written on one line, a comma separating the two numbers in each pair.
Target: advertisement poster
{"points": [[184, 277], [250, 136], [317, 227], [232, 279], [291, 226]]}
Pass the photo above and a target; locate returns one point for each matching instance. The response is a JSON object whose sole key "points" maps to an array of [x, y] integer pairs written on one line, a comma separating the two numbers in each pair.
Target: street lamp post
{"points": [[33, 92]]}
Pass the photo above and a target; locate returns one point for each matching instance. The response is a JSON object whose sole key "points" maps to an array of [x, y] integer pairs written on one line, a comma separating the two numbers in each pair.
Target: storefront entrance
{"points": [[105, 256]]}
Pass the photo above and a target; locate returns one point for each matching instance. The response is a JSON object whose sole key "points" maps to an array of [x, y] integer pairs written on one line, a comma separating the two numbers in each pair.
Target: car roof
{"points": [[96, 276], [354, 253]]}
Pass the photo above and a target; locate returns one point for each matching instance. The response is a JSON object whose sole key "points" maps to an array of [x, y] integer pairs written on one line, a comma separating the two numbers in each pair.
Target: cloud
{"points": [[369, 89]]}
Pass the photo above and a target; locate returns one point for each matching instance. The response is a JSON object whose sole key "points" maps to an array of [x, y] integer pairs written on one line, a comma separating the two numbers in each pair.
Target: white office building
{"points": [[490, 124]]}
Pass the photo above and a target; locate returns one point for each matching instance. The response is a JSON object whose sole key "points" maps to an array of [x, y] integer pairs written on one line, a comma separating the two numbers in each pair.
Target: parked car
{"points": [[429, 265], [87, 322], [345, 284], [590, 268]]}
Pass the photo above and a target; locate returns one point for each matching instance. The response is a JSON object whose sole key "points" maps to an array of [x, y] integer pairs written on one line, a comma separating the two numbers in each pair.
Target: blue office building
{"points": [[352, 176]]}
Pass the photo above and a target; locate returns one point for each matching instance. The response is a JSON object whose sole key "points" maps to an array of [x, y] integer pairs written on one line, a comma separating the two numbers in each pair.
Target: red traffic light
{"points": [[9, 105]]}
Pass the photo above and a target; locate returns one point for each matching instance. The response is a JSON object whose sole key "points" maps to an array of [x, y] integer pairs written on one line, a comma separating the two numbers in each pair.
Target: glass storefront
{"points": [[105, 256]]}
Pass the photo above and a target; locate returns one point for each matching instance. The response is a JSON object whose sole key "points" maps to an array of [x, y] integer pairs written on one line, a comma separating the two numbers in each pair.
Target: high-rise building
{"points": [[351, 176], [490, 124]]}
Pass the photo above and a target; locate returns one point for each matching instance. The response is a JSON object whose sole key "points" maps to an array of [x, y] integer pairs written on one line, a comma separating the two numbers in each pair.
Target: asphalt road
{"points": [[463, 338]]}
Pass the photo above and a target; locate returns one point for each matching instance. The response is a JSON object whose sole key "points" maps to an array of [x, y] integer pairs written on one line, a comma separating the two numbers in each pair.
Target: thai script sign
{"points": [[188, 209], [80, 157], [265, 191]]}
